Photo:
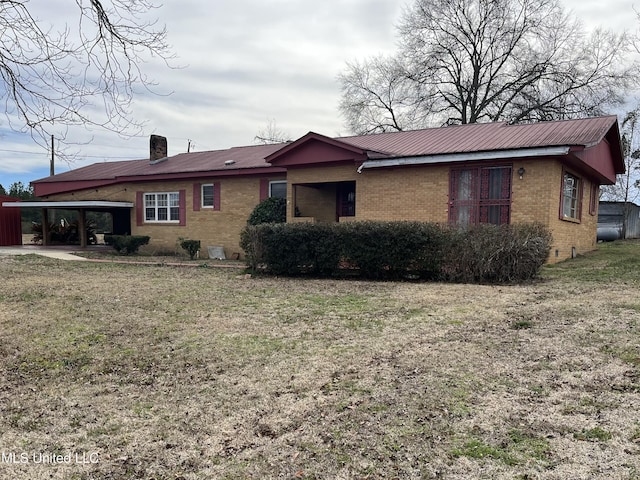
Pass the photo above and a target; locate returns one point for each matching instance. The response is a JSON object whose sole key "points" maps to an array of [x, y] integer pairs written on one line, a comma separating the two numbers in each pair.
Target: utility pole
{"points": [[52, 168]]}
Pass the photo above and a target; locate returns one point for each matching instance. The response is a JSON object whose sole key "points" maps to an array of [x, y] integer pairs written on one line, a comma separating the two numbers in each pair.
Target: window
{"points": [[162, 207], [570, 205], [207, 195], [480, 195], [278, 189]]}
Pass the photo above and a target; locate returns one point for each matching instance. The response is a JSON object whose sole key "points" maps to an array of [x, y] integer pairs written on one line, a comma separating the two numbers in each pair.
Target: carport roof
{"points": [[70, 205]]}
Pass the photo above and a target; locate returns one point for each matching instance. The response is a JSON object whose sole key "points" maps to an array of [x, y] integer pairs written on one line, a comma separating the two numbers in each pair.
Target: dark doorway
{"points": [[346, 199], [121, 221]]}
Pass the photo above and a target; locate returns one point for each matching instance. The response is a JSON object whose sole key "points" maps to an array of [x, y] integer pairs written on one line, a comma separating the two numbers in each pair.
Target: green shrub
{"points": [[396, 250], [373, 249], [291, 249], [126, 244], [393, 249], [271, 210], [192, 247]]}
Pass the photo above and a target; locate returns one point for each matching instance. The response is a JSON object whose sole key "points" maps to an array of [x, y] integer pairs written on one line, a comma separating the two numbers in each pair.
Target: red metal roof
{"points": [[481, 137], [478, 137], [195, 162]]}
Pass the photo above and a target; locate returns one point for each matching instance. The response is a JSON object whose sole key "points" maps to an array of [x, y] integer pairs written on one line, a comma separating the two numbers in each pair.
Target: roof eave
{"points": [[45, 189], [466, 157], [69, 204]]}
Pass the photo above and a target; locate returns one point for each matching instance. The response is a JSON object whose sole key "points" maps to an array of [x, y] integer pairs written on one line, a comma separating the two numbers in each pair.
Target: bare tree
{"points": [[468, 61], [271, 134], [379, 96], [55, 75]]}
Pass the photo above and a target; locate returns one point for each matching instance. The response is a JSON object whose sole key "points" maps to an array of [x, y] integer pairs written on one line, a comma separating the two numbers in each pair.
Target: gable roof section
{"points": [[232, 161], [314, 148], [591, 143]]}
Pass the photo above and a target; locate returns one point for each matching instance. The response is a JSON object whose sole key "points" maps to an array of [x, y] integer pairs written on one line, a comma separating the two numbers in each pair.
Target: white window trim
{"points": [[168, 207], [213, 192], [271, 183], [575, 188]]}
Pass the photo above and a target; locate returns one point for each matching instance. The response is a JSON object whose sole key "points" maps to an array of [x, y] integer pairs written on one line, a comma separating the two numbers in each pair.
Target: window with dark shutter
{"points": [[207, 196], [480, 195]]}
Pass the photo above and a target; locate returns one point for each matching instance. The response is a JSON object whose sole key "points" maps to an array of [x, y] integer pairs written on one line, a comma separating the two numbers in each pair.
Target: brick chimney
{"points": [[157, 148]]}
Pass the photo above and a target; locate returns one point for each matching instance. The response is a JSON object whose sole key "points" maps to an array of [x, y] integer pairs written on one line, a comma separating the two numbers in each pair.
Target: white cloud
{"points": [[246, 63]]}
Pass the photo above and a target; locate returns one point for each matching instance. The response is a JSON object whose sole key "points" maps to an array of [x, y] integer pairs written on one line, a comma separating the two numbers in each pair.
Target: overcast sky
{"points": [[246, 63]]}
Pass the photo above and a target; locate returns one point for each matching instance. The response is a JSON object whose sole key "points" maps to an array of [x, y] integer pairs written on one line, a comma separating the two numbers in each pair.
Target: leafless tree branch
{"points": [[467, 61], [59, 75]]}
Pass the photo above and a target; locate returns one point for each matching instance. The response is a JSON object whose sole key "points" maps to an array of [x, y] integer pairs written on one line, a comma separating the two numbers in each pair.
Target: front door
{"points": [[346, 199]]}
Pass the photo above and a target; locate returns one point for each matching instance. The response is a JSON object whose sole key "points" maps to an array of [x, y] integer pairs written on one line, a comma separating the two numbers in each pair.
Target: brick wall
{"points": [[405, 193], [536, 198]]}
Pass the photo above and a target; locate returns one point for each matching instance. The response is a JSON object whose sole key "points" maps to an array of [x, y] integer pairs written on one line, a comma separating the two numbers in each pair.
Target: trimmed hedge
{"points": [[291, 248], [392, 249], [398, 250], [270, 210], [126, 244]]}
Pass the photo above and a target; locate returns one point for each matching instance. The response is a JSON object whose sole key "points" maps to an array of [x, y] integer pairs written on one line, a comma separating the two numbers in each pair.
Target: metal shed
{"points": [[10, 223], [610, 220]]}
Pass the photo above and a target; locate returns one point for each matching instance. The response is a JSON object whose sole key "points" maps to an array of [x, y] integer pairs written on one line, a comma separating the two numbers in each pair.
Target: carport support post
{"points": [[45, 227], [82, 221]]}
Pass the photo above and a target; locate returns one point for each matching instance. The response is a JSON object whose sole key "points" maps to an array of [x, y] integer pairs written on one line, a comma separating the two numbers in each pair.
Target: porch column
{"points": [[82, 226], [45, 227]]}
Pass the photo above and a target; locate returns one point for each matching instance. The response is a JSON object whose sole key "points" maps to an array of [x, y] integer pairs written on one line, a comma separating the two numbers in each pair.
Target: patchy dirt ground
{"points": [[155, 372]]}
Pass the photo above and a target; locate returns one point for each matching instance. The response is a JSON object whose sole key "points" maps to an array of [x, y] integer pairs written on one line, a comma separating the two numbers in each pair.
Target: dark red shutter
{"points": [[139, 208], [580, 197], [264, 189], [216, 196], [183, 207]]}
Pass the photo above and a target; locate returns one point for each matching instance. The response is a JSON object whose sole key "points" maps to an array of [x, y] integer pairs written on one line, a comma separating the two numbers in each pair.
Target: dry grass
{"points": [[194, 373]]}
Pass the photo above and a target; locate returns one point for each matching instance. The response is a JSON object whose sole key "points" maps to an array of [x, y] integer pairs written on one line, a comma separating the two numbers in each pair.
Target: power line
{"points": [[30, 152]]}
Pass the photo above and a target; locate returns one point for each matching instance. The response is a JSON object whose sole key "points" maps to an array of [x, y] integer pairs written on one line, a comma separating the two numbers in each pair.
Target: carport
{"points": [[120, 212]]}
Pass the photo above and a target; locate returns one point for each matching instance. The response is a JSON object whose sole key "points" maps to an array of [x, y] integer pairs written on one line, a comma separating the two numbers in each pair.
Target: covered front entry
{"points": [[120, 213], [325, 202]]}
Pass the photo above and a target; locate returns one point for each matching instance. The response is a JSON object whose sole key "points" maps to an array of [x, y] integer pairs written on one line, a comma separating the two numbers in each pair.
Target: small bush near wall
{"points": [[395, 250], [126, 244], [192, 247]]}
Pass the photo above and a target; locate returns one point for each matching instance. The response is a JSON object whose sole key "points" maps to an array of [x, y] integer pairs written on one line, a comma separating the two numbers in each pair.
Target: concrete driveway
{"points": [[51, 252]]}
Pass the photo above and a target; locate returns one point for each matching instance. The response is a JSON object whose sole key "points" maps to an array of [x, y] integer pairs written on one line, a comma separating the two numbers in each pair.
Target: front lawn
{"points": [[157, 372]]}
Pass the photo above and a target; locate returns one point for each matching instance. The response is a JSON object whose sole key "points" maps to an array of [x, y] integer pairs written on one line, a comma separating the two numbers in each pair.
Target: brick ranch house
{"points": [[547, 172]]}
